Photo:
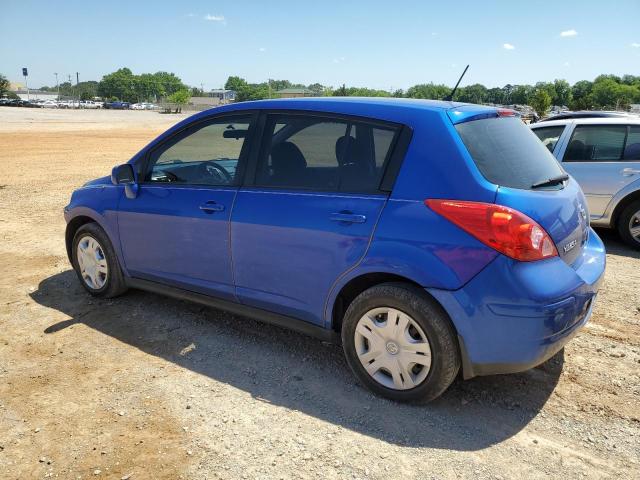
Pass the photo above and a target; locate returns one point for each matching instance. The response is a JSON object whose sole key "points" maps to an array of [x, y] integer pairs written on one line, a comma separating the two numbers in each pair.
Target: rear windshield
{"points": [[508, 153]]}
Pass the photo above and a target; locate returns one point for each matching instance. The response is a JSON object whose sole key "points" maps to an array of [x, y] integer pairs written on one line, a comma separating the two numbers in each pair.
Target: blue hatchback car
{"points": [[430, 238]]}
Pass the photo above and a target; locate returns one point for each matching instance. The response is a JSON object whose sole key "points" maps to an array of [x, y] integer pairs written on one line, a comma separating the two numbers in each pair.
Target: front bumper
{"points": [[515, 315]]}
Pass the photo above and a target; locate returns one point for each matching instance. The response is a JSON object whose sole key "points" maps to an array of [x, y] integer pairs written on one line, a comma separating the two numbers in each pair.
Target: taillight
{"points": [[502, 228], [506, 112]]}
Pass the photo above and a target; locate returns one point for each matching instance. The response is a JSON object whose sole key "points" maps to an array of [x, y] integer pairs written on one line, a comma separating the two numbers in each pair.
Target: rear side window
{"points": [[549, 136], [507, 152], [596, 143], [324, 154]]}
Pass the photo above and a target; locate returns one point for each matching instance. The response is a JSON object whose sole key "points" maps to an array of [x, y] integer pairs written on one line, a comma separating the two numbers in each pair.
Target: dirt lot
{"points": [[148, 387]]}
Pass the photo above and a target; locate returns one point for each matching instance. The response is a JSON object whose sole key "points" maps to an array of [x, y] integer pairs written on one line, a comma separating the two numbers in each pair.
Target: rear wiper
{"points": [[551, 181]]}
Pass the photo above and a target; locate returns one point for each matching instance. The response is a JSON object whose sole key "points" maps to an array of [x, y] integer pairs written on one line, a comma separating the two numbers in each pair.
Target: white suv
{"points": [[603, 155]]}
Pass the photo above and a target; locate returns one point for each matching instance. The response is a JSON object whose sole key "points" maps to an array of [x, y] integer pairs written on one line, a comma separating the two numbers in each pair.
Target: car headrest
{"points": [[286, 156]]}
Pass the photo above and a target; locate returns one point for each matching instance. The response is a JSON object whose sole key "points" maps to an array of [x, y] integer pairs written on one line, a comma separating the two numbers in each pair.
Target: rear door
{"points": [[311, 210], [604, 159]]}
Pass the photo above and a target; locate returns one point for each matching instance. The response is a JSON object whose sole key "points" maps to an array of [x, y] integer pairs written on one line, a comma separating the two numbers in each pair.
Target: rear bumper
{"points": [[515, 315]]}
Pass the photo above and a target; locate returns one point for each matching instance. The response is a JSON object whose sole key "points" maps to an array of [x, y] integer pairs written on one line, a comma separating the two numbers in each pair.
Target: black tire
{"points": [[624, 224], [114, 284], [430, 316]]}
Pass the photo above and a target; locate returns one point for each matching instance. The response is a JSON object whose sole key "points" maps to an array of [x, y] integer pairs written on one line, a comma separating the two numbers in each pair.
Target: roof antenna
{"points": [[449, 97]]}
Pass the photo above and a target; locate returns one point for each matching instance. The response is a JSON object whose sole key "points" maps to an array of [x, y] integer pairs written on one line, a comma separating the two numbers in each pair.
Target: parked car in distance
{"points": [[117, 105], [91, 104], [143, 106], [49, 104], [567, 115], [603, 155], [429, 238]]}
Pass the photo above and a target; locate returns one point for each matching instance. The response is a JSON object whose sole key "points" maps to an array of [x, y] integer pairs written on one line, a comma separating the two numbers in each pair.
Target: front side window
{"points": [[596, 143], [203, 155], [549, 136], [325, 154]]}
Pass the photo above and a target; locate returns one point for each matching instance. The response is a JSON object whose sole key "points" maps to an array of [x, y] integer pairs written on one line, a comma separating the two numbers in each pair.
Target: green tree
{"points": [[605, 92], [180, 98], [317, 88], [169, 83], [496, 95], [581, 95], [235, 83], [541, 101], [520, 94], [360, 92], [429, 90], [119, 84], [4, 85], [147, 87], [475, 93], [562, 91], [248, 92]]}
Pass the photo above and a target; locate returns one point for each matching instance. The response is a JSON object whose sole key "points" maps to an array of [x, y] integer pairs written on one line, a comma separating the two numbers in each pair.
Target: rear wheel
{"points": [[95, 262], [400, 343], [629, 224]]}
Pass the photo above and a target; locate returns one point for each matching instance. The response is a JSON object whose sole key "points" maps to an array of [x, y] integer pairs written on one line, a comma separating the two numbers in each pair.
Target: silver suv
{"points": [[603, 155]]}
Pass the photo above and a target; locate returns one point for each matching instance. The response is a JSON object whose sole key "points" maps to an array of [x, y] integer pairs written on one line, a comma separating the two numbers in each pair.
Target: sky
{"points": [[377, 44]]}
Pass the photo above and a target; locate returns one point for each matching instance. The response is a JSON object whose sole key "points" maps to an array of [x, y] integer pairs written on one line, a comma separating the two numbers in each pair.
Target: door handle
{"points": [[347, 217], [627, 172], [211, 206]]}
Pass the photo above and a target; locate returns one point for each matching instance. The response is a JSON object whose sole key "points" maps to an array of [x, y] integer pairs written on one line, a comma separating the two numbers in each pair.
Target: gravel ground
{"points": [[149, 387]]}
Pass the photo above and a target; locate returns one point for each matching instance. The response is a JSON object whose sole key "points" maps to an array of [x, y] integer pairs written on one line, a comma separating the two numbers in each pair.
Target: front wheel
{"points": [[400, 343], [629, 225], [95, 262]]}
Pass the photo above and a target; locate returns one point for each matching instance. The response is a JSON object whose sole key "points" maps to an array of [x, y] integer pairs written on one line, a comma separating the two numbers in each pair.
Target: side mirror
{"points": [[125, 175]]}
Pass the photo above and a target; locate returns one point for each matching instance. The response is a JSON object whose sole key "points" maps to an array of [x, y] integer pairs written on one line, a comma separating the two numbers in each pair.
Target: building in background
{"points": [[35, 94], [294, 93], [224, 96]]}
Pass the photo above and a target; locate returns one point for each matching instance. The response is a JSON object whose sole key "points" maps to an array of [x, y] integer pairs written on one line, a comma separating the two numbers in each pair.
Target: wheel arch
{"points": [[622, 204], [357, 284], [80, 216]]}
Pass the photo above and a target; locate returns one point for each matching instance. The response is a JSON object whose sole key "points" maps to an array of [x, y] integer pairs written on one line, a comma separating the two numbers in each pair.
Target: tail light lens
{"points": [[502, 228]]}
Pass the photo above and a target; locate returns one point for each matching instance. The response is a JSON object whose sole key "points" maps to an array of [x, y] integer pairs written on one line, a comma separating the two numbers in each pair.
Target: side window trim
{"points": [[392, 164], [561, 147], [185, 131]]}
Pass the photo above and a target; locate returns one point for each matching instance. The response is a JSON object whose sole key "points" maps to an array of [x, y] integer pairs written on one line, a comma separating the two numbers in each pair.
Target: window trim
{"points": [[391, 166], [627, 128], [185, 131]]}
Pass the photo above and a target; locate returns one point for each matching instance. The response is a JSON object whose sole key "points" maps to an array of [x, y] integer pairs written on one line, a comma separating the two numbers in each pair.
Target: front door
{"points": [[604, 159], [311, 212], [176, 231]]}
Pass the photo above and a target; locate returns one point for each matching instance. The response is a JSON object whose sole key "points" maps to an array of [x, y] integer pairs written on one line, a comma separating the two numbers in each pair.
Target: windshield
{"points": [[507, 153]]}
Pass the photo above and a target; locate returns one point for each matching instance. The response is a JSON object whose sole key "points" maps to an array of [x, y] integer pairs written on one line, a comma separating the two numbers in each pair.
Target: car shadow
{"points": [[614, 245], [291, 370]]}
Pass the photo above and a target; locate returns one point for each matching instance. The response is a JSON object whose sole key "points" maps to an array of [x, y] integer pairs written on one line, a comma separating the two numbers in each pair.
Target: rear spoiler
{"points": [[468, 113]]}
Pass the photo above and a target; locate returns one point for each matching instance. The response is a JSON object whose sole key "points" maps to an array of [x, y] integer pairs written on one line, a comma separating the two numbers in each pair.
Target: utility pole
{"points": [[57, 85], [77, 88], [25, 73], [202, 89]]}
